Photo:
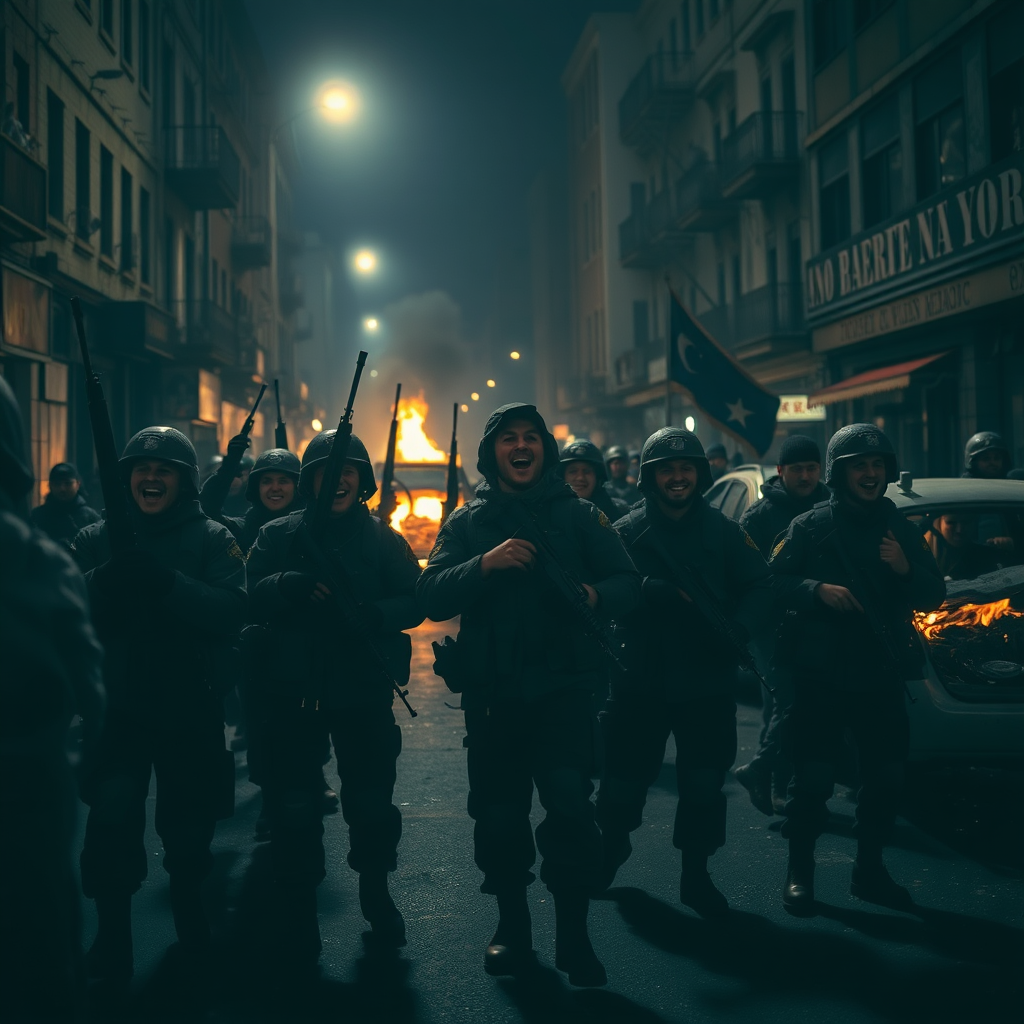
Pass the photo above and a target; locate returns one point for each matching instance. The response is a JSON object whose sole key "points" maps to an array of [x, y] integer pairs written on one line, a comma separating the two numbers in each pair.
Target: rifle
{"points": [[452, 499], [706, 602], [331, 572], [280, 431], [387, 503], [568, 587], [120, 531], [215, 490]]}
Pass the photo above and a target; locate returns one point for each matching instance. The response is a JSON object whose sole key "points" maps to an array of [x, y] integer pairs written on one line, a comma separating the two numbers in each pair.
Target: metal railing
{"points": [[207, 327], [763, 138], [666, 77], [700, 186], [22, 191], [766, 312], [200, 148]]}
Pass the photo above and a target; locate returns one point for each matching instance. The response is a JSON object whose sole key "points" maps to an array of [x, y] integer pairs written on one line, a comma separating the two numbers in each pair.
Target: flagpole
{"points": [[668, 354]]}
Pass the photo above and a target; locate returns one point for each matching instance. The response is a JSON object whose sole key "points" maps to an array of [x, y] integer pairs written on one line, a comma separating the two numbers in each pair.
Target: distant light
{"points": [[513, 355], [490, 383], [317, 425], [339, 102], [690, 423], [365, 261], [465, 408], [475, 396], [371, 323], [373, 373]]}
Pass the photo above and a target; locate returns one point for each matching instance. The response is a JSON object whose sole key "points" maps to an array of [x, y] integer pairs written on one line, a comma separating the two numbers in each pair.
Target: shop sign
{"points": [[996, 284], [980, 213], [26, 313], [794, 409]]}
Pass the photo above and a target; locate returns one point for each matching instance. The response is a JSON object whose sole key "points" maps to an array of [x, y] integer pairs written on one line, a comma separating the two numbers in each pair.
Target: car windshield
{"points": [[969, 541]]}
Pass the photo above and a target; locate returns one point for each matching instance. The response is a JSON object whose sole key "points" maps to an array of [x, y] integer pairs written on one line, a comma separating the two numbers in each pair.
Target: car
{"points": [[968, 704]]}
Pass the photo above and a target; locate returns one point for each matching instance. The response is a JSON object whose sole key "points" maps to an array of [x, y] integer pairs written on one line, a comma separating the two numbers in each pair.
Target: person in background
{"points": [[618, 484], [718, 460], [986, 456], [64, 511], [582, 468]]}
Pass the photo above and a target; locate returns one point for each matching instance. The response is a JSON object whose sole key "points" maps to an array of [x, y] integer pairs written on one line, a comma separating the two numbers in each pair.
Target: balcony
{"points": [[210, 335], [650, 238], [659, 93], [202, 166], [22, 194], [250, 243], [774, 312], [291, 295], [762, 155], [700, 204], [137, 330], [641, 366]]}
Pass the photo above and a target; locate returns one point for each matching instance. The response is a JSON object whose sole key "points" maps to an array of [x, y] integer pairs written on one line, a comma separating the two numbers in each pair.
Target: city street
{"points": [[957, 958]]}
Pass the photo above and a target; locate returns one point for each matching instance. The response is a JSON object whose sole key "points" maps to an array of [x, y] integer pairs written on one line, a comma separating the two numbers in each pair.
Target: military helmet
{"points": [[674, 443], [984, 441], [319, 450], [167, 445], [617, 451], [247, 462], [274, 460], [860, 439], [584, 451]]}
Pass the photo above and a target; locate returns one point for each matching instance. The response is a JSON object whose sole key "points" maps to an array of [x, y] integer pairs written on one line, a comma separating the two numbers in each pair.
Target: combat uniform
{"points": [[215, 497], [769, 517], [528, 675], [844, 675], [166, 611], [624, 489], [51, 670], [681, 680], [61, 520], [978, 444], [319, 680], [585, 451]]}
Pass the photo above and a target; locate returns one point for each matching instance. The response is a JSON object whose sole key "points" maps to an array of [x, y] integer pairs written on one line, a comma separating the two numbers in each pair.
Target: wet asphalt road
{"points": [[959, 848]]}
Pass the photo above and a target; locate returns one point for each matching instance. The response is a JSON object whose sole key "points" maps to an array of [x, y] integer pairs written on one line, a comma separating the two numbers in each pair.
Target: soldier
{"points": [[321, 681], [224, 492], [64, 512], [166, 611], [527, 681], [272, 492], [853, 569], [718, 461], [582, 468], [684, 686], [794, 491], [51, 670], [986, 456], [618, 484]]}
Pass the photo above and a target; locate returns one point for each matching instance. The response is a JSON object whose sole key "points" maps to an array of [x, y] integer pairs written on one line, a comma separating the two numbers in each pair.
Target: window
{"points": [[55, 155], [127, 36], [829, 30], [865, 11], [83, 205], [640, 328], [737, 280], [22, 100], [169, 263], [882, 169], [685, 21], [127, 256], [216, 279], [940, 142], [698, 8], [834, 192], [145, 72], [167, 84], [106, 202], [720, 283], [107, 19], [145, 238], [1006, 83]]}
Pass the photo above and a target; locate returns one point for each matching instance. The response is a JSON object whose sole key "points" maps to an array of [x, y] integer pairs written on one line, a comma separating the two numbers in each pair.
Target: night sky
{"points": [[462, 106]]}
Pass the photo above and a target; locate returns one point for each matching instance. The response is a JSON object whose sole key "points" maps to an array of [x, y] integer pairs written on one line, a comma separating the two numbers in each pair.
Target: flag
{"points": [[719, 386]]}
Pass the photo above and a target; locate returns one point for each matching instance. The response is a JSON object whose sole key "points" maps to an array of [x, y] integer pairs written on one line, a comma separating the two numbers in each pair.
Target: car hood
{"points": [[993, 586]]}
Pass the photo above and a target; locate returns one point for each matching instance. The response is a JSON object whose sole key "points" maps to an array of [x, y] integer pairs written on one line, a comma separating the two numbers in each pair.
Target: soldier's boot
{"points": [[697, 891], [757, 781], [573, 952], [110, 958], [386, 922], [798, 892], [871, 882], [511, 948], [615, 851], [190, 921]]}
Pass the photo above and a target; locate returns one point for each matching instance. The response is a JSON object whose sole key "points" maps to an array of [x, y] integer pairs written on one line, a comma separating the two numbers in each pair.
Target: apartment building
{"points": [[142, 174]]}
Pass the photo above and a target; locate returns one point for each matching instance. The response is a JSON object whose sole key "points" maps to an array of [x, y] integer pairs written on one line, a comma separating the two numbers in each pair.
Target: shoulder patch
{"points": [[235, 551], [749, 541], [604, 520], [778, 547], [437, 548]]}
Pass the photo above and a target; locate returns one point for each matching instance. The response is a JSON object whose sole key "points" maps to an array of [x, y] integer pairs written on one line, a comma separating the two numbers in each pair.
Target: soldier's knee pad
{"points": [[698, 786], [114, 801], [297, 808]]}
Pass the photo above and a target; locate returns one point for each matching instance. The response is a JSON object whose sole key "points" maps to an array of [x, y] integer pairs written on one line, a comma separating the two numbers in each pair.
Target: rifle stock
{"points": [[280, 431], [452, 497], [386, 505], [120, 531]]}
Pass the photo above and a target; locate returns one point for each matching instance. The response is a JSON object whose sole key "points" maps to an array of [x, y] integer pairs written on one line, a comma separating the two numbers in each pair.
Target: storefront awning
{"points": [[885, 378]]}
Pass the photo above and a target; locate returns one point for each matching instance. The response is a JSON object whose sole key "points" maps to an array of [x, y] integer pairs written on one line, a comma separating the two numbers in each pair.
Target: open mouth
{"points": [[152, 495], [677, 489], [341, 493], [868, 488], [275, 499], [521, 461]]}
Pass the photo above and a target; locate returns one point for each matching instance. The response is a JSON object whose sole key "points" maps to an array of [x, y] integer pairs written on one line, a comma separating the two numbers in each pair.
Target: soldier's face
{"points": [[800, 478], [581, 477], [277, 490], [675, 482], [990, 464], [155, 485], [347, 493], [617, 469], [865, 477], [64, 489], [519, 451]]}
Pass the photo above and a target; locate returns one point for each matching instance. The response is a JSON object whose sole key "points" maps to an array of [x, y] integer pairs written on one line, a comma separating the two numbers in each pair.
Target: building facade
{"points": [[141, 173]]}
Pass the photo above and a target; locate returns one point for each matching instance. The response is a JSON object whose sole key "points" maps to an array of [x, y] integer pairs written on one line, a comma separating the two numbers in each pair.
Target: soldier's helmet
{"points": [[584, 451], [166, 444], [859, 439], [617, 451], [984, 441], [673, 443], [317, 453], [274, 460], [247, 463]]}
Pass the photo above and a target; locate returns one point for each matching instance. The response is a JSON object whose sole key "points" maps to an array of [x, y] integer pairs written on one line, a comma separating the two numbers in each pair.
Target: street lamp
{"points": [[365, 262], [491, 384], [317, 426], [338, 101], [371, 325], [513, 355], [465, 408], [475, 396]]}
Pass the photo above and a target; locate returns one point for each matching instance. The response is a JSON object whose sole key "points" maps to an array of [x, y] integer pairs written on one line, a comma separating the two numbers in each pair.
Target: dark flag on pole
{"points": [[719, 386]]}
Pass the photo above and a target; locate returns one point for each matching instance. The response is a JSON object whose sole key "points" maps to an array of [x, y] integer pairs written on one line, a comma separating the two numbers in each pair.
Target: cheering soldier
{"points": [[618, 483], [582, 468], [527, 678]]}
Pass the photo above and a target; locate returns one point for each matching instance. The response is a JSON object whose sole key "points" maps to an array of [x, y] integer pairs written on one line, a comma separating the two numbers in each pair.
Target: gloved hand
{"points": [[366, 618], [135, 573], [662, 593], [296, 587], [238, 444]]}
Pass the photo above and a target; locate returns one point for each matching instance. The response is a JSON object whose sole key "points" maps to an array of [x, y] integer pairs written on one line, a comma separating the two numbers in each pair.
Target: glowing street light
{"points": [[317, 426], [373, 373], [338, 102], [371, 325], [513, 355], [491, 384], [465, 408], [690, 423], [475, 396], [365, 261]]}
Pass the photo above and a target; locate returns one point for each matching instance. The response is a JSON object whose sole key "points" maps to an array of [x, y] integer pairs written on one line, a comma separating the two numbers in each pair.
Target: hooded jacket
{"points": [[61, 520], [771, 514], [245, 529], [518, 641]]}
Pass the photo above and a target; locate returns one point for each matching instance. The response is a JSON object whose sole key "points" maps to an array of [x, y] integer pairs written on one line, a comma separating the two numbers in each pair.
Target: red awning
{"points": [[886, 378]]}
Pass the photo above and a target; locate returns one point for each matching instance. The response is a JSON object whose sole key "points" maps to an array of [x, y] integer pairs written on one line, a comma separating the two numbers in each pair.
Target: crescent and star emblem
{"points": [[682, 344], [738, 413]]}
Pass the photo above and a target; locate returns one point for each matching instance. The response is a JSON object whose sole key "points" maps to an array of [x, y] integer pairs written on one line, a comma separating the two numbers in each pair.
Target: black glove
{"points": [[296, 587], [135, 573], [662, 593], [366, 618], [238, 444]]}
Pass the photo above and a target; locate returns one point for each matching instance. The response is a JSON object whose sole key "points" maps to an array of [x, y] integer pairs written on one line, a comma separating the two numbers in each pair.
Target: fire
{"points": [[425, 506], [413, 445], [931, 624]]}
